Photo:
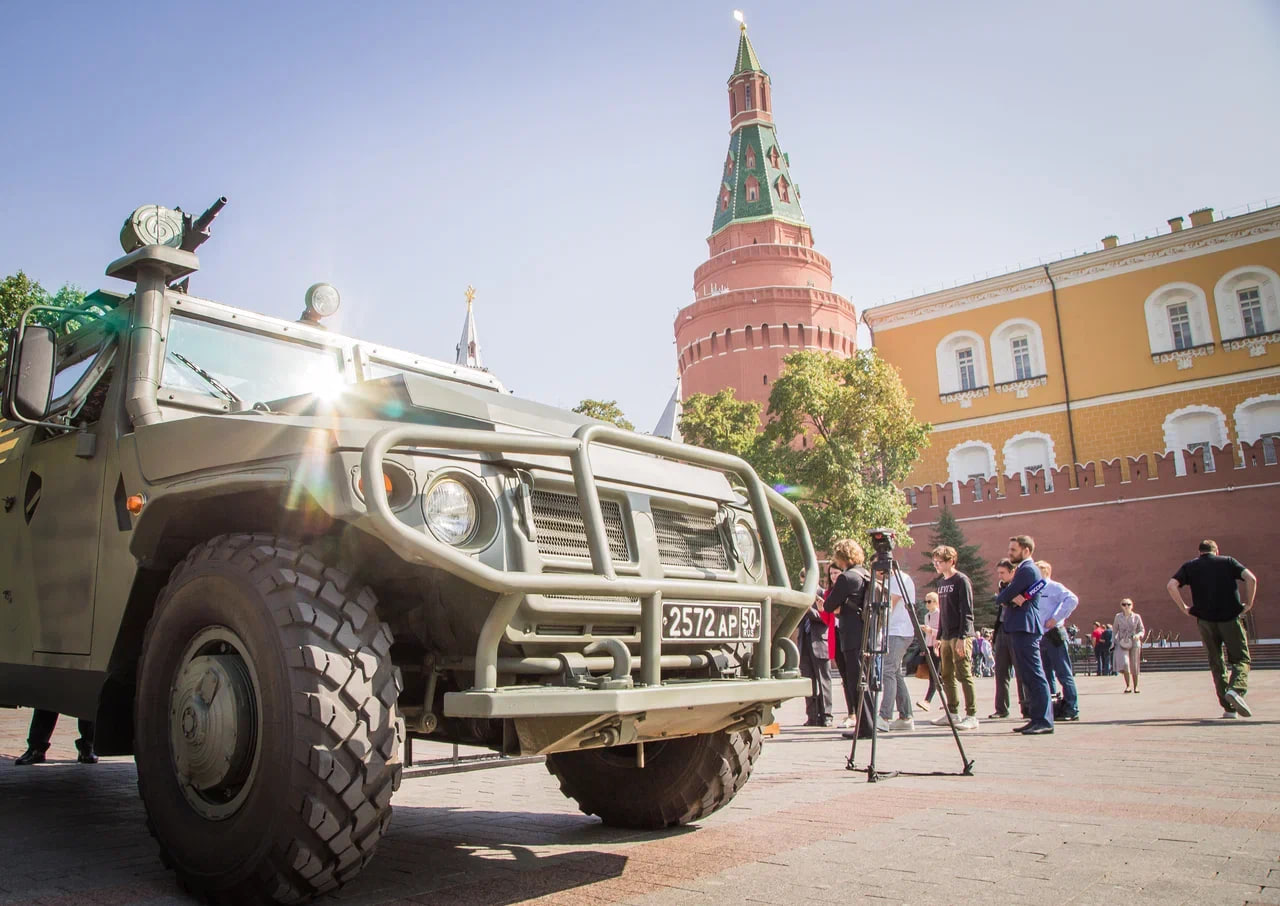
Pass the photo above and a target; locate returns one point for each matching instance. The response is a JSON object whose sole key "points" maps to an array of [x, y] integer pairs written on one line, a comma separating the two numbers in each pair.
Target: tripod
{"points": [[875, 644]]}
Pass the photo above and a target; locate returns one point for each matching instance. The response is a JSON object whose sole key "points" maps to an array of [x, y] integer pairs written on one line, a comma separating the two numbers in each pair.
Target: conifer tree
{"points": [[948, 532]]}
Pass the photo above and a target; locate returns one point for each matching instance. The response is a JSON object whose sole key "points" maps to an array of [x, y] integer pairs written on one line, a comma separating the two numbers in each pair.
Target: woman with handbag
{"points": [[1128, 634]]}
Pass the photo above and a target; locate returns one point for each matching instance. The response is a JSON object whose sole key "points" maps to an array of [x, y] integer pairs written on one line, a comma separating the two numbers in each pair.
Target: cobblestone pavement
{"points": [[1149, 799]]}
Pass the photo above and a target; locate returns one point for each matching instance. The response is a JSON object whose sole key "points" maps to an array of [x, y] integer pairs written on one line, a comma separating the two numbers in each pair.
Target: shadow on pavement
{"points": [[79, 831]]}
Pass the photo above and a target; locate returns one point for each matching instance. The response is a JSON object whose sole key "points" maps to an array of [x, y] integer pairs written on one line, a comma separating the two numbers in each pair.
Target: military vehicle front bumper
{"points": [[726, 701]]}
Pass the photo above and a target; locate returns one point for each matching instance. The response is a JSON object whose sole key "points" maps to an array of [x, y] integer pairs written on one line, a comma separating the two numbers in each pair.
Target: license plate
{"points": [[711, 622]]}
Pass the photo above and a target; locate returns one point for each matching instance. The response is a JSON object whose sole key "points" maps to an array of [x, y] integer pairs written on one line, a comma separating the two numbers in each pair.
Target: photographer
{"points": [[846, 600]]}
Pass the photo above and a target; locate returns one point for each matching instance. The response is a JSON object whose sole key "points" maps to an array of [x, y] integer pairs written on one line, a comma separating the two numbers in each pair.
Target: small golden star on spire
{"points": [[740, 19], [470, 294]]}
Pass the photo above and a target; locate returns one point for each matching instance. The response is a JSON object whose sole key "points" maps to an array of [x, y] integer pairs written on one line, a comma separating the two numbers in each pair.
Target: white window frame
{"points": [[966, 371], [1013, 460], [955, 457], [948, 365], [1159, 329], [1251, 311], [1227, 300], [1004, 368], [1177, 442], [1258, 418], [1180, 325]]}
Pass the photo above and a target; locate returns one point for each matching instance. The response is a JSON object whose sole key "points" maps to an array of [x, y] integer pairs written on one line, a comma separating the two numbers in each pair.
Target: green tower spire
{"points": [[747, 61]]}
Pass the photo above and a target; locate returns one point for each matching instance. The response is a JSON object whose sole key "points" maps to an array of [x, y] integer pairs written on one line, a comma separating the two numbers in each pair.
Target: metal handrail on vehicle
{"points": [[511, 585]]}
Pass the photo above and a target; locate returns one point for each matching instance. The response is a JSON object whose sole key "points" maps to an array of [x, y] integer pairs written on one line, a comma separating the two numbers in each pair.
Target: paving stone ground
{"points": [[1150, 799]]}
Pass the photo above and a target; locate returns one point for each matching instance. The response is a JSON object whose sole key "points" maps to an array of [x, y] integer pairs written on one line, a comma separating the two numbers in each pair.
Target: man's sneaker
{"points": [[941, 721], [1070, 715], [902, 723], [998, 715], [1229, 715], [1240, 704], [882, 725], [969, 723], [849, 723]]}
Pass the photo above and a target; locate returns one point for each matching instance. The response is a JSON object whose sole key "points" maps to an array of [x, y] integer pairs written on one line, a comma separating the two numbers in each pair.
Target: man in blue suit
{"points": [[1020, 617]]}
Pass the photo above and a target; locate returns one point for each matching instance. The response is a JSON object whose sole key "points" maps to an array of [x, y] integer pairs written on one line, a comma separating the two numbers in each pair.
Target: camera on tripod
{"points": [[883, 540]]}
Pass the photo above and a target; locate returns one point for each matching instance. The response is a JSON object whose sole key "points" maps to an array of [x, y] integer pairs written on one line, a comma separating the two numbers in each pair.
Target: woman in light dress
{"points": [[1128, 635]]}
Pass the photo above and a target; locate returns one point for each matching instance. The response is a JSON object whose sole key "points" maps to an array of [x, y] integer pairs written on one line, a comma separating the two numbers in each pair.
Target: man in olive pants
{"points": [[1218, 605]]}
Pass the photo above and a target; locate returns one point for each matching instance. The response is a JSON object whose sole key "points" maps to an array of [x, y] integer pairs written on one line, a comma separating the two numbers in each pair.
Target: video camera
{"points": [[883, 540]]}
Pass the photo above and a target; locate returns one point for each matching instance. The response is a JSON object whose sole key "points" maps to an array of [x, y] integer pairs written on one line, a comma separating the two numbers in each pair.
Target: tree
{"points": [[948, 532], [840, 437], [18, 292], [843, 433], [722, 422], [605, 411]]}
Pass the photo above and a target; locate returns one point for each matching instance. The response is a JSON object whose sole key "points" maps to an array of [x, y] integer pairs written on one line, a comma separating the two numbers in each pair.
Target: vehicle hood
{"points": [[182, 446]]}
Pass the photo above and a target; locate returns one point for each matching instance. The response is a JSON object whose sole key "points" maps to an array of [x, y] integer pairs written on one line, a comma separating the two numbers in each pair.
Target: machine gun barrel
{"points": [[195, 232], [204, 220]]}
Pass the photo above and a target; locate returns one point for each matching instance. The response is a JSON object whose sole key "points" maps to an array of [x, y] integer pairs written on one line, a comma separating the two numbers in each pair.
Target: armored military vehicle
{"points": [[259, 553]]}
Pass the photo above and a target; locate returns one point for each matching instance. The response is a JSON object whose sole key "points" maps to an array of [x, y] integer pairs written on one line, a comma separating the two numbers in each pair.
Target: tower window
{"points": [[764, 379], [750, 105], [751, 158], [728, 164], [750, 344], [1251, 310], [753, 189], [1180, 326], [784, 190], [724, 198]]}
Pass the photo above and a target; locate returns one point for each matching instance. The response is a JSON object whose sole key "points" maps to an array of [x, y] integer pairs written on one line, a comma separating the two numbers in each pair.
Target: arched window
{"points": [[750, 342], [1178, 323], [775, 159], [753, 185], [764, 335], [1196, 430], [713, 343], [724, 197], [1248, 304], [786, 334], [971, 459], [1258, 419], [1017, 353], [750, 105], [1028, 452], [783, 188], [751, 157], [962, 363], [728, 164], [728, 339]]}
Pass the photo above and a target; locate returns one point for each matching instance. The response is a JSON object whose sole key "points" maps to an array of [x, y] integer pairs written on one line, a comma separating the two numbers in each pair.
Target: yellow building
{"points": [[1167, 343]]}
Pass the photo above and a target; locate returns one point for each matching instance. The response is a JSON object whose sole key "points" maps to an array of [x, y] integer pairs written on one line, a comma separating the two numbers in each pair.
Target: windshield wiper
{"points": [[208, 378]]}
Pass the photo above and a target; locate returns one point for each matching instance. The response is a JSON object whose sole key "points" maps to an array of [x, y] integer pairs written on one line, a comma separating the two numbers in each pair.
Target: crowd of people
{"points": [[1028, 649]]}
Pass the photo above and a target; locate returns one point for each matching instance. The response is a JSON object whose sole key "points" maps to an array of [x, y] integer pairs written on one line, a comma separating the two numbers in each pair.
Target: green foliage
{"points": [[840, 438], [18, 292], [948, 532], [843, 433], [722, 422], [606, 411]]}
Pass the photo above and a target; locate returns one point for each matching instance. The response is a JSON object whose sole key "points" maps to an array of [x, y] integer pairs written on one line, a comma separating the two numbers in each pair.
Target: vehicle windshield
{"points": [[227, 363]]}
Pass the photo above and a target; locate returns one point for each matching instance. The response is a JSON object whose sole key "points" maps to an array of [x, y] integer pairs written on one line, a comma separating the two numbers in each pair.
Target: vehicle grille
{"points": [[561, 532], [689, 539]]}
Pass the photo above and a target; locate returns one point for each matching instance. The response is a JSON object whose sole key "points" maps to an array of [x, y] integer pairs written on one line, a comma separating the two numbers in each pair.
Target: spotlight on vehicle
{"points": [[322, 301]]}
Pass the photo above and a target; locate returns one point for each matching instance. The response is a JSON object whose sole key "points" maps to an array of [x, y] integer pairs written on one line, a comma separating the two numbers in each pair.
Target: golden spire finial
{"points": [[740, 19], [470, 294]]}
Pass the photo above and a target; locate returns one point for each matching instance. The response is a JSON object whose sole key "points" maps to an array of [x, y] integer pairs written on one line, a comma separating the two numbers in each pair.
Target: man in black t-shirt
{"points": [[1217, 605]]}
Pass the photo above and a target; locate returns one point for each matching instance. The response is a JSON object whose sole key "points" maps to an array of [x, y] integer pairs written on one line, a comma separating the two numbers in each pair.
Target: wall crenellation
{"points": [[1134, 478]]}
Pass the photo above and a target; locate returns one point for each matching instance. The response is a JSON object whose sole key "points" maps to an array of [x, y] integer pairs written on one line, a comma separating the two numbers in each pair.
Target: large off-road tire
{"points": [[682, 780], [267, 737]]}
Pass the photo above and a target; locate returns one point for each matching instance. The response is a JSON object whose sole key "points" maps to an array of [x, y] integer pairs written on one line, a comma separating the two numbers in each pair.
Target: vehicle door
{"points": [[17, 595], [60, 493]]}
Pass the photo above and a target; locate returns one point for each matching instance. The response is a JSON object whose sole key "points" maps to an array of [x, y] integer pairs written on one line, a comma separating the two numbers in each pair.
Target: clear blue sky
{"points": [[564, 157]]}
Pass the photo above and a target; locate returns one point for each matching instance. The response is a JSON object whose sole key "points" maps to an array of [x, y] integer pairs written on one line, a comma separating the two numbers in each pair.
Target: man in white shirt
{"points": [[901, 632], [1057, 603]]}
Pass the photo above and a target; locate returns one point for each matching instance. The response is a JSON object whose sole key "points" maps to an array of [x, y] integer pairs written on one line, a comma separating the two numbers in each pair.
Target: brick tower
{"points": [[764, 292]]}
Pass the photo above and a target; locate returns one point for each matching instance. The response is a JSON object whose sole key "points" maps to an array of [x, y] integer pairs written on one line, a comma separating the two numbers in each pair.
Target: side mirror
{"points": [[31, 357]]}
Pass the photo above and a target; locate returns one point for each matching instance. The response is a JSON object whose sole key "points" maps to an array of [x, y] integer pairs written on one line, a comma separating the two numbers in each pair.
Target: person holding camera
{"points": [[846, 600], [955, 639]]}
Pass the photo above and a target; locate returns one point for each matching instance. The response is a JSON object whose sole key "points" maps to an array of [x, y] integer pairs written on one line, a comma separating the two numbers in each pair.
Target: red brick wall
{"points": [[1118, 539]]}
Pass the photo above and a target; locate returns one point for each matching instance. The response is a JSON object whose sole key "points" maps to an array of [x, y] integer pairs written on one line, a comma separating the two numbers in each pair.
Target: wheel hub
{"points": [[213, 724]]}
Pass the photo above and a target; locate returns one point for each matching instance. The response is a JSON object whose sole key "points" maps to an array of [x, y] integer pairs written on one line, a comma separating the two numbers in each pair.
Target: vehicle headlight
{"points": [[744, 542], [450, 510]]}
